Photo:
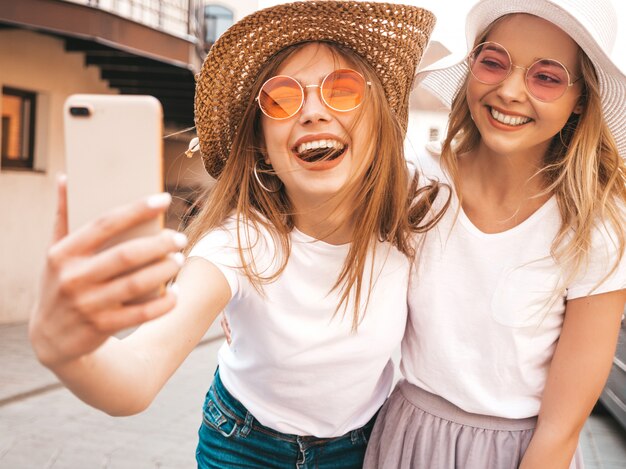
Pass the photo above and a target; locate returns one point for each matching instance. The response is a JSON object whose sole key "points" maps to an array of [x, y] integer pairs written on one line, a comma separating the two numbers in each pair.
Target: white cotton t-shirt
{"points": [[296, 366], [486, 310]]}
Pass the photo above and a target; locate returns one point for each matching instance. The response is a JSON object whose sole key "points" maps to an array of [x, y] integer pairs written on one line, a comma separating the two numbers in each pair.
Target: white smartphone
{"points": [[114, 155]]}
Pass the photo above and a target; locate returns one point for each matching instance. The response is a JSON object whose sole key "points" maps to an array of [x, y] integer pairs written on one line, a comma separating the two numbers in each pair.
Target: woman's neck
{"points": [[325, 222], [503, 176], [500, 191]]}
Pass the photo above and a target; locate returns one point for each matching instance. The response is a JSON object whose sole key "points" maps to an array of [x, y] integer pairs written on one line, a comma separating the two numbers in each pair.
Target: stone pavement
{"points": [[43, 426]]}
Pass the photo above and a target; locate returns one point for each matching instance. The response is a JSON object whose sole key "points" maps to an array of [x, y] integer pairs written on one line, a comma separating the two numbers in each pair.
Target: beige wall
{"points": [[38, 63]]}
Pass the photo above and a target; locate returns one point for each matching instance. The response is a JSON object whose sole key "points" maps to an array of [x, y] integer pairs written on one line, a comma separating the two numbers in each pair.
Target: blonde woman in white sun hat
{"points": [[517, 294]]}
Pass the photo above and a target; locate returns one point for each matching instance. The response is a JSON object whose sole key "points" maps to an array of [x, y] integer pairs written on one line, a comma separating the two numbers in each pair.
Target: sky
{"points": [[450, 28]]}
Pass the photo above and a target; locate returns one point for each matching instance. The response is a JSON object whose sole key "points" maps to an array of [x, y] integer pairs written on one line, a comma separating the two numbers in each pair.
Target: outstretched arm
{"points": [[578, 372], [85, 298]]}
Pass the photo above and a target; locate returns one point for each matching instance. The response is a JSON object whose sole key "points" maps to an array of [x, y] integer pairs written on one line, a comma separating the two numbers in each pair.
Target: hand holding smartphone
{"points": [[113, 157], [96, 282]]}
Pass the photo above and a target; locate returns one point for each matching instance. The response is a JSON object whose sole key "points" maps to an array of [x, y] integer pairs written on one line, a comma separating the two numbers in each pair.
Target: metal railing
{"points": [[175, 17]]}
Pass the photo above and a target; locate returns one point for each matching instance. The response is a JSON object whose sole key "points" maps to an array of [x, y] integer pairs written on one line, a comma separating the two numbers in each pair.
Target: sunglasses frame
{"points": [[302, 93], [526, 69]]}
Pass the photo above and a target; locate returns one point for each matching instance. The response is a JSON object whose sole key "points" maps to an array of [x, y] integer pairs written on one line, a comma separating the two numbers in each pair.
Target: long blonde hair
{"points": [[384, 200], [581, 167]]}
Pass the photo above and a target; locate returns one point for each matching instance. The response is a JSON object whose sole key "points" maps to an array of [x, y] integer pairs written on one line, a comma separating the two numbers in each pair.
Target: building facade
{"points": [[50, 49]]}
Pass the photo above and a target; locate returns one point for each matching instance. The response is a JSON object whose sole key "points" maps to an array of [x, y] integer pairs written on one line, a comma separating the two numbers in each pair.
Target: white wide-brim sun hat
{"points": [[591, 23]]}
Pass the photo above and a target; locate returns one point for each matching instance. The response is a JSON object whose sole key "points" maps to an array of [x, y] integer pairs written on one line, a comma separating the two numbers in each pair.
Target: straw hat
{"points": [[591, 23], [390, 37]]}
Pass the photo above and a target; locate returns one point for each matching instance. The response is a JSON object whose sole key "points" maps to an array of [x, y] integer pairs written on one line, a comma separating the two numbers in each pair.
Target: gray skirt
{"points": [[416, 429]]}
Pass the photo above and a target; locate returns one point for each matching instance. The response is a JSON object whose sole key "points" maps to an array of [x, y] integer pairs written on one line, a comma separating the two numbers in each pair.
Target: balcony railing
{"points": [[175, 17]]}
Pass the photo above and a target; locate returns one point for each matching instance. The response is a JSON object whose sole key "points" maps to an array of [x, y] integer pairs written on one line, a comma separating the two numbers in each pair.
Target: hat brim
{"points": [[444, 78], [390, 37]]}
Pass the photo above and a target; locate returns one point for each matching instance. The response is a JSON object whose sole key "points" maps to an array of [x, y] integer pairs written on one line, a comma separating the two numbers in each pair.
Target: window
{"points": [[433, 134], [217, 19], [18, 128]]}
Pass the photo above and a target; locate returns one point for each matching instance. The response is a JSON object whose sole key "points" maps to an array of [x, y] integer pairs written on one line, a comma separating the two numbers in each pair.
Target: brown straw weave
{"points": [[390, 37]]}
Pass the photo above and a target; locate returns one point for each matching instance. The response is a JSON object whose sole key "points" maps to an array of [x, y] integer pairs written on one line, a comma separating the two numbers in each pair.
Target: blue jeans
{"points": [[230, 437]]}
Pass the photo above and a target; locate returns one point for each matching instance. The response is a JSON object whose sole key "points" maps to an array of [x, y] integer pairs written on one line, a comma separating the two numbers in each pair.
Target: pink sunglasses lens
{"points": [[546, 79], [490, 63]]}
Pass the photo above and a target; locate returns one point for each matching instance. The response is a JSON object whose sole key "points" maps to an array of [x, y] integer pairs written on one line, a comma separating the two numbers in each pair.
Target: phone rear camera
{"points": [[80, 111]]}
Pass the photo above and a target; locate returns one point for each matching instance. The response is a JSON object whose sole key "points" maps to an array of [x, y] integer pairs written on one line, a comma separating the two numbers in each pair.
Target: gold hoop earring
{"points": [[258, 179]]}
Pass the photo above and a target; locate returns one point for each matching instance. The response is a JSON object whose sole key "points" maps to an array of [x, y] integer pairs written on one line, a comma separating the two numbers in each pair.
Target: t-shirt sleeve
{"points": [[220, 248], [593, 278]]}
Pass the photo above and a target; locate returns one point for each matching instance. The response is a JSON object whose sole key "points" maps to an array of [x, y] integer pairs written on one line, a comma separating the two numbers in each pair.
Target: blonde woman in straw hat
{"points": [[304, 242], [516, 300]]}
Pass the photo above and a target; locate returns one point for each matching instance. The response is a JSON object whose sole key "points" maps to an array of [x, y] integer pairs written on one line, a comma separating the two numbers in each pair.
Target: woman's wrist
{"points": [[551, 446]]}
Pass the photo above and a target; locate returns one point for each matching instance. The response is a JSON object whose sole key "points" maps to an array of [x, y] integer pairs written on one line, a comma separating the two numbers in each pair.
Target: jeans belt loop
{"points": [[247, 425]]}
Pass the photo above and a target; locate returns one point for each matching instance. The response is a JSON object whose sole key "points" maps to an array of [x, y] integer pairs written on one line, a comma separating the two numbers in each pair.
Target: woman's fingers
{"points": [[60, 223], [134, 286], [87, 287], [62, 330], [123, 258], [92, 236], [125, 316], [89, 332]]}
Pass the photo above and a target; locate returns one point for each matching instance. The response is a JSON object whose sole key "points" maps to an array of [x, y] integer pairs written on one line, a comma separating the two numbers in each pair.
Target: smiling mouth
{"points": [[513, 121], [320, 150]]}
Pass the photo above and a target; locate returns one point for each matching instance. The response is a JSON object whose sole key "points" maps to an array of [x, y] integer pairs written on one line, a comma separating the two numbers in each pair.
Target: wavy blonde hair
{"points": [[582, 168], [387, 207]]}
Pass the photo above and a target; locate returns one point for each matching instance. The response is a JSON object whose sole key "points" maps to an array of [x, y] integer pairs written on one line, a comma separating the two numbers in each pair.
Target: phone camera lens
{"points": [[79, 111]]}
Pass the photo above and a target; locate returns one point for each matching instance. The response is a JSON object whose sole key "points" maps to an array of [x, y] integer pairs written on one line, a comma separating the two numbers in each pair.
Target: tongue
{"points": [[319, 154]]}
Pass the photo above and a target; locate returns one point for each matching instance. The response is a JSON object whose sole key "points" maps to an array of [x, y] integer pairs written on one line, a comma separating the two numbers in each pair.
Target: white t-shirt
{"points": [[293, 365], [486, 310]]}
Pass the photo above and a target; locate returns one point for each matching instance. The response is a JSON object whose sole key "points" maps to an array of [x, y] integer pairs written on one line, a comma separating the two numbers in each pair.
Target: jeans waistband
{"points": [[228, 399], [242, 414]]}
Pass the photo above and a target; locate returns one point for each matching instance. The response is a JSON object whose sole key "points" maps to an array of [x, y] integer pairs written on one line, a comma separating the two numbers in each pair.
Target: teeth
{"points": [[324, 143], [509, 120]]}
